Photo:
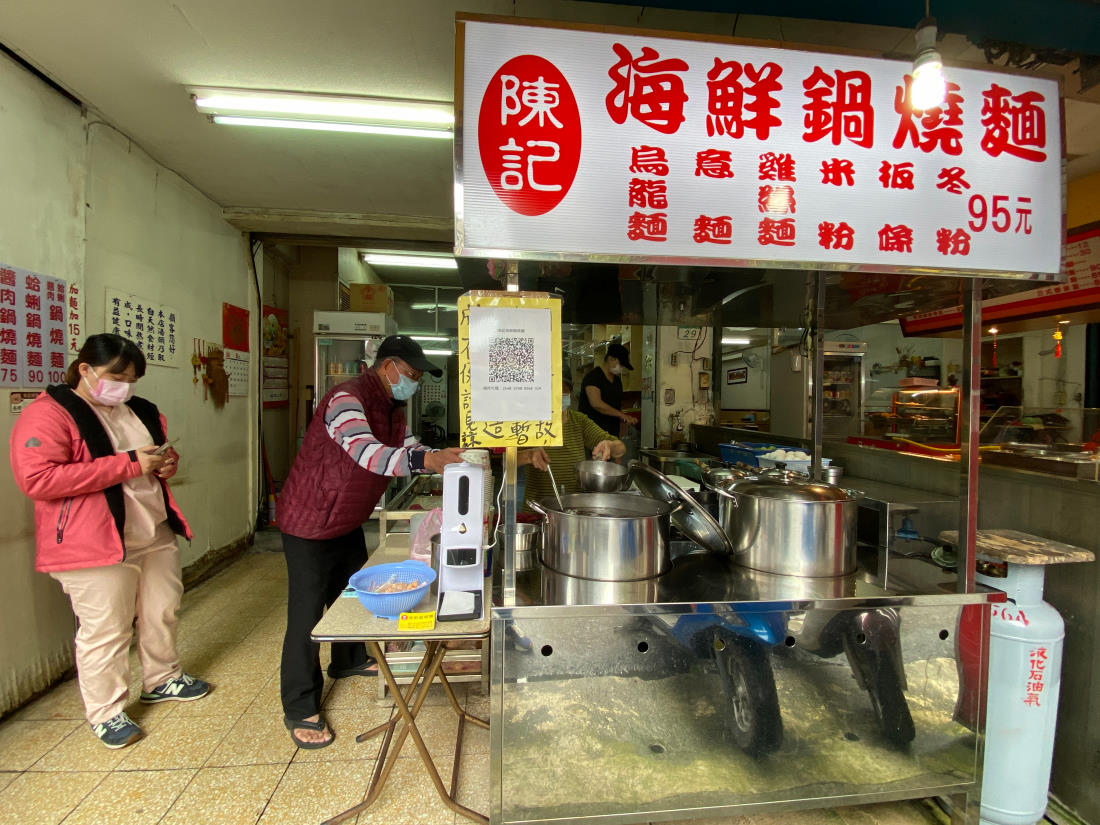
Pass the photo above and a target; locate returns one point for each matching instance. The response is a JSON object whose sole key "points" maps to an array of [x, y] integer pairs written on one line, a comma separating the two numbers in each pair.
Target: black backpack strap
{"points": [[99, 444], [149, 415]]}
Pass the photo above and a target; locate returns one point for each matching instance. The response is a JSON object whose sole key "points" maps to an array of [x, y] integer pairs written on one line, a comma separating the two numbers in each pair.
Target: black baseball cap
{"points": [[405, 348], [622, 353]]}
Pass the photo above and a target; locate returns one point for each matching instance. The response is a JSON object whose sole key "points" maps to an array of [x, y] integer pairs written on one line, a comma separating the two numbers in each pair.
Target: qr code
{"points": [[512, 360]]}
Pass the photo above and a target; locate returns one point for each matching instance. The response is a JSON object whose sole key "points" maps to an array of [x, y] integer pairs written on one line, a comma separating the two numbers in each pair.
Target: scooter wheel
{"points": [[753, 720], [891, 707]]}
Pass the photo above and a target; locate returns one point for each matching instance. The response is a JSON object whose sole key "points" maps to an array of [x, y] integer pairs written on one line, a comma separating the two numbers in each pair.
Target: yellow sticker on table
{"points": [[416, 621], [509, 369]]}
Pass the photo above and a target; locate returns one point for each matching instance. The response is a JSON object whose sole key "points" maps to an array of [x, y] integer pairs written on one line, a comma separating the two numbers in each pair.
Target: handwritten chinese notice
{"points": [[579, 144], [509, 361], [153, 327], [37, 318]]}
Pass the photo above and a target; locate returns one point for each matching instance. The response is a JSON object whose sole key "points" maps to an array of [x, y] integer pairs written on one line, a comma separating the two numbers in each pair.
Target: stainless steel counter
{"points": [[719, 691]]}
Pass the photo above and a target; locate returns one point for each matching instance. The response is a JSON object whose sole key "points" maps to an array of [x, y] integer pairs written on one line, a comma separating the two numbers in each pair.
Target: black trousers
{"points": [[317, 571]]}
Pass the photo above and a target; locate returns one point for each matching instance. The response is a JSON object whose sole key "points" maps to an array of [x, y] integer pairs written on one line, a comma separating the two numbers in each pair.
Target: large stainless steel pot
{"points": [[571, 590], [606, 536], [784, 524]]}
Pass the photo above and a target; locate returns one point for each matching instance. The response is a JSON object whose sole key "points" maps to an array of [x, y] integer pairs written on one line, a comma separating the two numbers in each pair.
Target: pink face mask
{"points": [[110, 393]]}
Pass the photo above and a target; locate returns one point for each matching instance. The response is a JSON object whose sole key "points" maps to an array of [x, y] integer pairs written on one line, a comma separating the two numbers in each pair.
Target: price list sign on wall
{"points": [[153, 327], [34, 321]]}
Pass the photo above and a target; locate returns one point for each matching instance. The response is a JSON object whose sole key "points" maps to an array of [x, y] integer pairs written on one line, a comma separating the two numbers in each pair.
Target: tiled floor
{"points": [[227, 759]]}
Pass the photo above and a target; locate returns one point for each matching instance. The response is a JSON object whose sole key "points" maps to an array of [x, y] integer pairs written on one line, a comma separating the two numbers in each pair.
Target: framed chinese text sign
{"points": [[620, 146], [152, 326], [509, 369], [38, 314]]}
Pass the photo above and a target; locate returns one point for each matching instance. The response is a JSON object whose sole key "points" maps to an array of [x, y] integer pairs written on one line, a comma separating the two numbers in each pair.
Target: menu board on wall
{"points": [[623, 146], [37, 315], [276, 364], [152, 326]]}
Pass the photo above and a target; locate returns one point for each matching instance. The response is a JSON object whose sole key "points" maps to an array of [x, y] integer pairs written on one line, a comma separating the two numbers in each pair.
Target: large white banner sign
{"points": [[596, 145]]}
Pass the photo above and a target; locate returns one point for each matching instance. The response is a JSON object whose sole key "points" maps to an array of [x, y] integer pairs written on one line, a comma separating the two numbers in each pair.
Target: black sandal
{"points": [[319, 725]]}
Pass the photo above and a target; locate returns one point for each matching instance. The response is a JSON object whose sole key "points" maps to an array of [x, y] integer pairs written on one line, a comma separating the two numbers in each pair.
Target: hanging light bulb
{"points": [[929, 85]]}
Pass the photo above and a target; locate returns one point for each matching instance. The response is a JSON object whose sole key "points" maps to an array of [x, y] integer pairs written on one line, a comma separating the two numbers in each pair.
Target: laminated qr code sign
{"points": [[512, 360], [510, 369]]}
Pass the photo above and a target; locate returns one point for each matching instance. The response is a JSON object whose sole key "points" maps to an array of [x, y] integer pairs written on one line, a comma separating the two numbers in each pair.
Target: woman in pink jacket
{"points": [[106, 524]]}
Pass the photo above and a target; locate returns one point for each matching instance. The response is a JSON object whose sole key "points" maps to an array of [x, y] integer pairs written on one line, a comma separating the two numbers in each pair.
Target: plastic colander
{"points": [[390, 605]]}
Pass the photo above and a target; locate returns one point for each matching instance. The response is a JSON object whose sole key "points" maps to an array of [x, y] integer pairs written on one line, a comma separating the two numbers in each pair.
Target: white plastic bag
{"points": [[420, 548]]}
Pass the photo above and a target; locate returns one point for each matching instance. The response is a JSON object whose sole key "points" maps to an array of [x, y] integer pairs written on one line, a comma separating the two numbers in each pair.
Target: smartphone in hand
{"points": [[163, 448]]}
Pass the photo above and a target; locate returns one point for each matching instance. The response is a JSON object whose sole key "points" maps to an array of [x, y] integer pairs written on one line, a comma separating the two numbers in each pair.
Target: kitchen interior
{"points": [[723, 377]]}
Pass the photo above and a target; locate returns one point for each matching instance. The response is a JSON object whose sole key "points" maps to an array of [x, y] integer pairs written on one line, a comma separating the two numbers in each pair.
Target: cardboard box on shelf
{"points": [[371, 298]]}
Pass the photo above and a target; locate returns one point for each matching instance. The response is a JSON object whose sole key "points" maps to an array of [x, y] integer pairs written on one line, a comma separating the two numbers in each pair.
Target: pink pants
{"points": [[106, 600]]}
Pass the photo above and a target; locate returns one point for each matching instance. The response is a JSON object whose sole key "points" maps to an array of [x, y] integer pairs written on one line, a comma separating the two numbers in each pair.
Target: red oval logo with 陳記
{"points": [[529, 135]]}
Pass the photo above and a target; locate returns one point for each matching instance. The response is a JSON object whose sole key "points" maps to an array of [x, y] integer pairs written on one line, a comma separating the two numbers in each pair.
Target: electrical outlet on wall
{"points": [[674, 359], [706, 364]]}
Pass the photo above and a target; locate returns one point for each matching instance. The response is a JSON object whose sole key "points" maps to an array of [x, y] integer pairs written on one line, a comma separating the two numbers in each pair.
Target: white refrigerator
{"points": [[842, 390], [344, 345]]}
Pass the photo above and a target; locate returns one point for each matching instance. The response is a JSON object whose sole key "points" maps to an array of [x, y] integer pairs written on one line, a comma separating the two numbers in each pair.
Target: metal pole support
{"points": [[969, 410]]}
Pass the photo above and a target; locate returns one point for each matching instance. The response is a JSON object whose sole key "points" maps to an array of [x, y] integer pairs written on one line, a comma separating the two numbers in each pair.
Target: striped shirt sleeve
{"points": [[347, 425]]}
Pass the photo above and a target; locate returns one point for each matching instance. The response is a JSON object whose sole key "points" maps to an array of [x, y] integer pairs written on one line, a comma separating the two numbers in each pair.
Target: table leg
{"points": [[462, 714], [387, 759], [363, 737]]}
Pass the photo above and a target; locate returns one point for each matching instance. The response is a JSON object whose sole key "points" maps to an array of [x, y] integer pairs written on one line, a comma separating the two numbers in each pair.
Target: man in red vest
{"points": [[357, 441]]}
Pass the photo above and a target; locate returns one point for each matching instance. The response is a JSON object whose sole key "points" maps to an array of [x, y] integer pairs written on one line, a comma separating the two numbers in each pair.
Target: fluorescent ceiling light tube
{"points": [[736, 342], [319, 107], [322, 126], [433, 305], [438, 352], [419, 261], [435, 338]]}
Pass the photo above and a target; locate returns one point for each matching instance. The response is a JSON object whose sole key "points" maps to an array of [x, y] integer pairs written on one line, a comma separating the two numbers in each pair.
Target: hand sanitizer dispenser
{"points": [[461, 577]]}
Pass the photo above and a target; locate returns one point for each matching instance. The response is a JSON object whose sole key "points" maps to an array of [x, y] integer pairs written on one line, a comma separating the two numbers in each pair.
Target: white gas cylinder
{"points": [[1025, 670]]}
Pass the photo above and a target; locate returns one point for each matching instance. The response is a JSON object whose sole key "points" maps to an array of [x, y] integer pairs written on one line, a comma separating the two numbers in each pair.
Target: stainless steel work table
{"points": [[348, 621], [642, 713]]}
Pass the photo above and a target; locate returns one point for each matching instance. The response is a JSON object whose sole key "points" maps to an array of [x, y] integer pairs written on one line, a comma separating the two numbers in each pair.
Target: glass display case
{"points": [[927, 415], [1042, 426], [1057, 441]]}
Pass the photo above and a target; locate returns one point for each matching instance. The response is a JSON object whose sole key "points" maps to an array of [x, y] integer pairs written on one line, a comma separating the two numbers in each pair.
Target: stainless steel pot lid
{"points": [[790, 489], [691, 518], [719, 477]]}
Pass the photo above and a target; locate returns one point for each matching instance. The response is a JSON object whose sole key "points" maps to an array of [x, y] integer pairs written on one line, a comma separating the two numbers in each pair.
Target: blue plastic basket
{"points": [[391, 605], [743, 452]]}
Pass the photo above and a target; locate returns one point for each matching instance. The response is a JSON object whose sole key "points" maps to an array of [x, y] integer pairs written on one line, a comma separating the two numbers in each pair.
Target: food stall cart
{"points": [[711, 688]]}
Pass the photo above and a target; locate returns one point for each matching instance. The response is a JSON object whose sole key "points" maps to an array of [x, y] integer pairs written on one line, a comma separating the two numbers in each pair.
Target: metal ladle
{"points": [[554, 484]]}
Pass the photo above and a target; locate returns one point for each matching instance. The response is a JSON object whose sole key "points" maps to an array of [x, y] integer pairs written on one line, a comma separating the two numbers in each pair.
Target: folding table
{"points": [[348, 621]]}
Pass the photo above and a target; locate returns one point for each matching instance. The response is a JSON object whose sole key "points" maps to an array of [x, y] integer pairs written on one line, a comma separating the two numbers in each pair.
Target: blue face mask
{"points": [[405, 388]]}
